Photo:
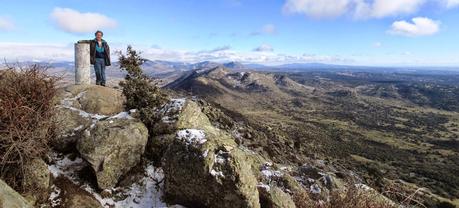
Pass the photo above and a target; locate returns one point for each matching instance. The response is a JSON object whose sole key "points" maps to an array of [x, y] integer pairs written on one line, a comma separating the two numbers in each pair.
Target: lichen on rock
{"points": [[113, 147], [204, 167]]}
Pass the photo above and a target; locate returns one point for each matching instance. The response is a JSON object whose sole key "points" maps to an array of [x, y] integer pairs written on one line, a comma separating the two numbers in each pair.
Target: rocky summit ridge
{"points": [[103, 156]]}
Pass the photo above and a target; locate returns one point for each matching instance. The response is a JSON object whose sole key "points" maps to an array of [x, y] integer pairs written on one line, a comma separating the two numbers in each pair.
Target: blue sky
{"points": [[356, 32]]}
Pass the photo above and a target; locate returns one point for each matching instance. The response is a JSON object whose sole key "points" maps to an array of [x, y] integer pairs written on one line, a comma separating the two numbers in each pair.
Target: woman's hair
{"points": [[95, 34]]}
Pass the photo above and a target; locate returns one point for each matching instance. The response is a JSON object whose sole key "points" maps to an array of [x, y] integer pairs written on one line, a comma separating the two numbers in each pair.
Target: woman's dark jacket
{"points": [[92, 50]]}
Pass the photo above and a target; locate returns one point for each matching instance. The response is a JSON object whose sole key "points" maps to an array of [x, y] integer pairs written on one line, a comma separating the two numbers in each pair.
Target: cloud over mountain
{"points": [[264, 48], [14, 51], [73, 21], [55, 52]]}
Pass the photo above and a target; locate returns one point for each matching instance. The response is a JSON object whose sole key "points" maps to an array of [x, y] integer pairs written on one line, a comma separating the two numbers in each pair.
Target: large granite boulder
{"points": [[204, 167], [10, 198], [93, 99], [113, 147], [70, 124]]}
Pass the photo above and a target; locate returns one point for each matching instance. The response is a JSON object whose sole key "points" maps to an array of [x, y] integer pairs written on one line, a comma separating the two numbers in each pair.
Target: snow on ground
{"points": [[221, 157], [144, 193], [217, 173], [268, 172], [315, 189], [54, 196], [122, 115], [171, 109], [66, 167], [192, 136], [68, 103], [264, 186]]}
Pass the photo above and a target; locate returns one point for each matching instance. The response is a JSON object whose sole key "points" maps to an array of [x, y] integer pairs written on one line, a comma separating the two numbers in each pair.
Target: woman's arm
{"points": [[107, 55]]}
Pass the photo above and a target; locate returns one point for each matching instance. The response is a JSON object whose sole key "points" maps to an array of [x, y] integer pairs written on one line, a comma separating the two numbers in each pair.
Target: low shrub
{"points": [[351, 198], [26, 108], [140, 90]]}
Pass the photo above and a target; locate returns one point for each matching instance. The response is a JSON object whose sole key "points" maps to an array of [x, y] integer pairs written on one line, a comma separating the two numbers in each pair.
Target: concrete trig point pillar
{"points": [[82, 63]]}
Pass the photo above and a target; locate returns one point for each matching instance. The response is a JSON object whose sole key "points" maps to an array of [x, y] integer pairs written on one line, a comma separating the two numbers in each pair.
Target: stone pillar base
{"points": [[82, 63]]}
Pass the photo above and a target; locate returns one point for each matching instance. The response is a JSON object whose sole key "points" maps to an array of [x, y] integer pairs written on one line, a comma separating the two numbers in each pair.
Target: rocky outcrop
{"points": [[80, 200], [274, 197], [94, 99], [113, 147], [37, 180], [10, 198], [204, 167], [70, 126]]}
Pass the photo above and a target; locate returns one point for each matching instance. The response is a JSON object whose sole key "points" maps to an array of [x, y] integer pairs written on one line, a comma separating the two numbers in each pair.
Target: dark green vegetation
{"points": [[385, 126], [140, 90]]}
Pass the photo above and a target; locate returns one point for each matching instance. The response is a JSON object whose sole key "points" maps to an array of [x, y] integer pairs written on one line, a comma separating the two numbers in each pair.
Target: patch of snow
{"points": [[85, 114], [65, 166], [54, 196], [217, 173], [315, 189], [271, 173], [122, 115], [236, 134], [268, 172], [264, 186], [170, 110], [192, 136], [221, 157], [284, 168], [145, 193], [362, 187], [78, 128], [205, 153], [68, 103]]}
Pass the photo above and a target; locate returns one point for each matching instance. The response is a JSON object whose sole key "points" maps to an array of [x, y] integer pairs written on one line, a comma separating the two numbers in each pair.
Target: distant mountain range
{"points": [[157, 67]]}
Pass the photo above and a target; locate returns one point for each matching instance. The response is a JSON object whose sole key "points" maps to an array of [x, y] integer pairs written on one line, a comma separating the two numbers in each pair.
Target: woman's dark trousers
{"points": [[99, 68]]}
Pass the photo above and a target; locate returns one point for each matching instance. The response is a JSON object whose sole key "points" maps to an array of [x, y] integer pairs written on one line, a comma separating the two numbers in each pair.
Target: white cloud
{"points": [[419, 26], [6, 24], [60, 52], [217, 49], [35, 51], [357, 8], [451, 3], [384, 8], [73, 21], [317, 9], [264, 48]]}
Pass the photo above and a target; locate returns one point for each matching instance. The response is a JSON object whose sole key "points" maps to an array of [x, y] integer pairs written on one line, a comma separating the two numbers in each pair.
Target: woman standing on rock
{"points": [[100, 57]]}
